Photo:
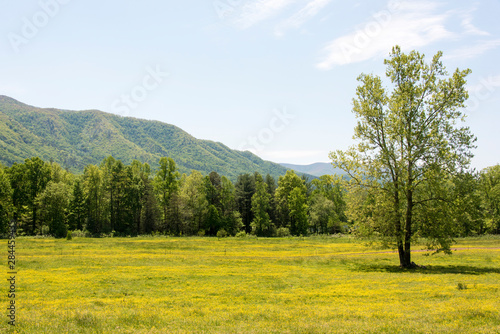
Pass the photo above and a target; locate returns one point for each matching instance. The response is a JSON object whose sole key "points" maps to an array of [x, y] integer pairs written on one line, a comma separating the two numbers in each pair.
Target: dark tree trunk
{"points": [[405, 255]]}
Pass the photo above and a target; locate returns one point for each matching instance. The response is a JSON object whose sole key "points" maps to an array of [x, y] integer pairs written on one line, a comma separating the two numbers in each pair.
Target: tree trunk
{"points": [[399, 233], [401, 252], [408, 232], [34, 219]]}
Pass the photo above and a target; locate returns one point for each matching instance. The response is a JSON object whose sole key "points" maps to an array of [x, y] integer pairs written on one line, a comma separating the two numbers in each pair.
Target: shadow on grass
{"points": [[468, 270]]}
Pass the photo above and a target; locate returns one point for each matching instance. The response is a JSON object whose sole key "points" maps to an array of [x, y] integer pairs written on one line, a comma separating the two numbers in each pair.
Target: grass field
{"points": [[250, 285]]}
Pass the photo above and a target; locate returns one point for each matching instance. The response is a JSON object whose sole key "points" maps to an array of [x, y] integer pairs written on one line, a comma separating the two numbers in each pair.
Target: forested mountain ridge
{"points": [[75, 139]]}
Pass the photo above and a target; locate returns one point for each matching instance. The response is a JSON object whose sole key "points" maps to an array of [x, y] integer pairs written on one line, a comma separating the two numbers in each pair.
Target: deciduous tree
{"points": [[245, 188], [166, 184], [291, 201], [409, 145], [77, 208], [37, 177], [53, 202], [261, 224]]}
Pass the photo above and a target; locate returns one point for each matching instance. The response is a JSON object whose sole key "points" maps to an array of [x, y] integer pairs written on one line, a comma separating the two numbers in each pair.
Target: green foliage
{"points": [[323, 216], [124, 200], [5, 200], [222, 233], [77, 207], [261, 224], [69, 236], [194, 207], [245, 188], [409, 149], [94, 189], [37, 176], [283, 232], [291, 201], [490, 196], [297, 203], [467, 210], [166, 185], [213, 222], [241, 234], [328, 205], [54, 203]]}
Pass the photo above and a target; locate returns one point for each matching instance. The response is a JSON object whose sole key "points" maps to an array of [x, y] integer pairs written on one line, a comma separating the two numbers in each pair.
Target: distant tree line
{"points": [[113, 198]]}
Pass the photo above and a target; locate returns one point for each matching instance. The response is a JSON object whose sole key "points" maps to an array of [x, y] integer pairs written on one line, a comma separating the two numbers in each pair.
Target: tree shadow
{"points": [[430, 270]]}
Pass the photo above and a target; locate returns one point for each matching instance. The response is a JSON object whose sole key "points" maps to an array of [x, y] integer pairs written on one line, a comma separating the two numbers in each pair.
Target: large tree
{"points": [[94, 193], [261, 224], [166, 185], [245, 188], [77, 207], [53, 203], [409, 146], [194, 203], [291, 199], [38, 175]]}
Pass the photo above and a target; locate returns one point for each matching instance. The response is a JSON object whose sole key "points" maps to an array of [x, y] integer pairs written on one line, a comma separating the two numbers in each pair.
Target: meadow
{"points": [[250, 285]]}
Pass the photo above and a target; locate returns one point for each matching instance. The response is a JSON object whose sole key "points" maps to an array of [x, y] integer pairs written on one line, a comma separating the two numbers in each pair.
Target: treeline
{"points": [[113, 198], [118, 199]]}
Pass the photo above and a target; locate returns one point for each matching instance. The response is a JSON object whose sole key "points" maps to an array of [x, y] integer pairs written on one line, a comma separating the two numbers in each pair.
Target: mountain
{"points": [[316, 169], [75, 139]]}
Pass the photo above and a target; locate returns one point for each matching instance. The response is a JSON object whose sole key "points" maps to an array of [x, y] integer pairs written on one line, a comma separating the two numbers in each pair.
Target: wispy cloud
{"points": [[256, 11], [301, 17], [475, 50], [471, 29], [411, 25]]}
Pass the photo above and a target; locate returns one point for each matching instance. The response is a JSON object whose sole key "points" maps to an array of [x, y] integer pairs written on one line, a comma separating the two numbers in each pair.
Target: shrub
{"points": [[81, 234], [45, 230], [221, 233], [68, 236], [241, 234], [283, 232]]}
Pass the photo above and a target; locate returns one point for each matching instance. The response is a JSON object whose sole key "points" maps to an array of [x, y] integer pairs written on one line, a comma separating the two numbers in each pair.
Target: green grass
{"points": [[250, 285]]}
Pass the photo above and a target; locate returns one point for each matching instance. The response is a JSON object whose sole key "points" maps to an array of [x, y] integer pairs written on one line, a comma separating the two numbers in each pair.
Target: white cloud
{"points": [[410, 25], [256, 11], [301, 17], [472, 51], [471, 29]]}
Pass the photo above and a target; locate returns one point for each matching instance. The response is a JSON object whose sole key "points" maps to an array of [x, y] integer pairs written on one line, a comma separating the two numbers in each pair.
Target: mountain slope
{"points": [[316, 169], [75, 139]]}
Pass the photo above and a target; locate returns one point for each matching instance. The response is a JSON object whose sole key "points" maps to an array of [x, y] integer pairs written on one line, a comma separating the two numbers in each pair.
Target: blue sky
{"points": [[276, 77]]}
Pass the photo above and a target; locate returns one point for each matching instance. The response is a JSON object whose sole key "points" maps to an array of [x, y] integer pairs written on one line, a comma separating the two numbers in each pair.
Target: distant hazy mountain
{"points": [[75, 139], [316, 169]]}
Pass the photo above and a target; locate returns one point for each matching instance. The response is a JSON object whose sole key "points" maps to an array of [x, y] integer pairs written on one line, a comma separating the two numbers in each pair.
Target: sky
{"points": [[276, 77]]}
